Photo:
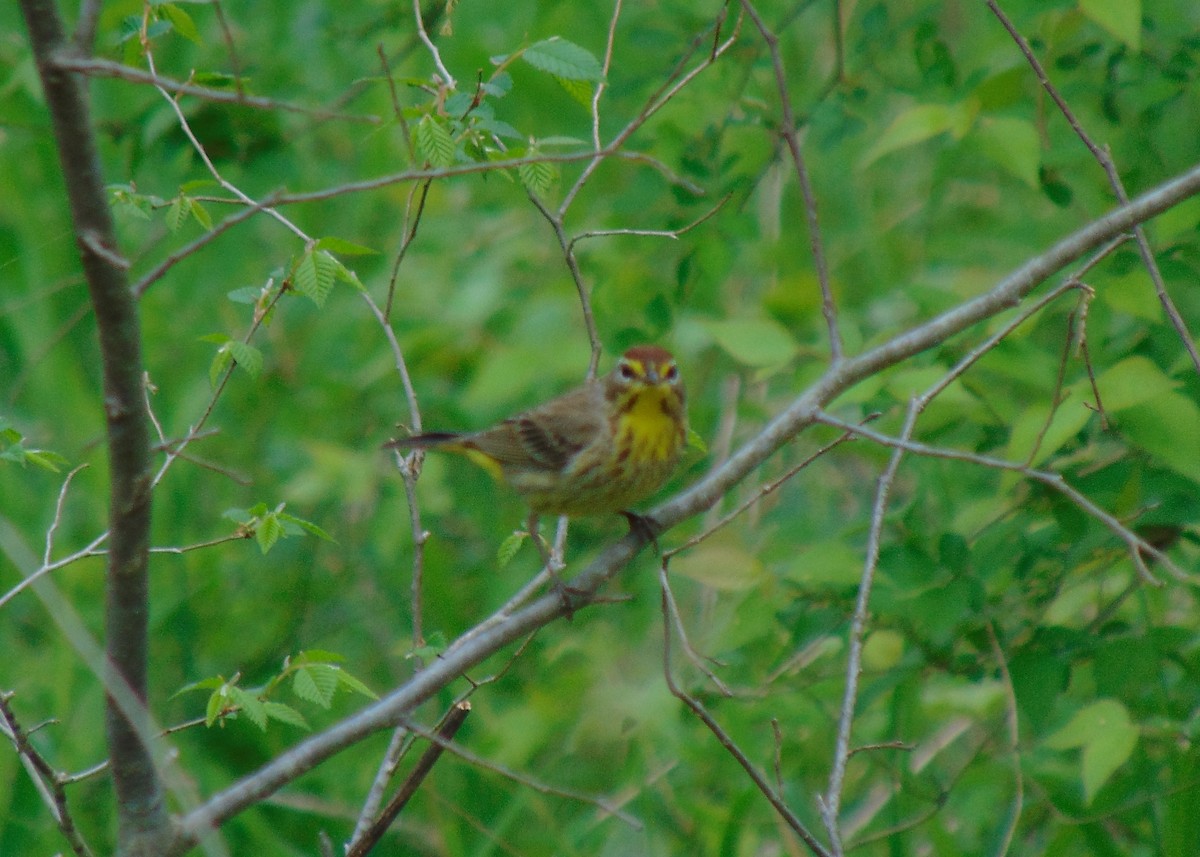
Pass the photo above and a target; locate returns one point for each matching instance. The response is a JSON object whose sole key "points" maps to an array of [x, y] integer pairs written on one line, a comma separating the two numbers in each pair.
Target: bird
{"points": [[595, 450]]}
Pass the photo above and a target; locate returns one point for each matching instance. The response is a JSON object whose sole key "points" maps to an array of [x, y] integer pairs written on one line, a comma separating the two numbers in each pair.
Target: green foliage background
{"points": [[938, 166]]}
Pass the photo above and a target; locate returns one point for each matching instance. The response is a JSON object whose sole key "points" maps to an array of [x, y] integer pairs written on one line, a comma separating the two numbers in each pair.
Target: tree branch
{"points": [[142, 821]]}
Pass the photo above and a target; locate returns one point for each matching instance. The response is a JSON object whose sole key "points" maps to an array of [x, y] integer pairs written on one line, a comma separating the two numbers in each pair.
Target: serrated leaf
{"points": [[250, 705], [285, 714], [182, 22], [318, 656], [210, 683], [315, 274], [343, 247], [434, 142], [200, 213], [222, 360], [538, 176], [563, 59], [216, 704], [177, 213], [348, 276], [580, 91], [307, 526], [244, 295], [509, 547], [352, 683], [316, 683], [46, 459], [268, 532], [247, 356]]}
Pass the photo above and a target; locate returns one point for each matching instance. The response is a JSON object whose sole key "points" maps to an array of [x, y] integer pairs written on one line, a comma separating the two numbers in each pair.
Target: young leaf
{"points": [[247, 356], [177, 213], [285, 714], [267, 532], [314, 275], [343, 247], [181, 21], [563, 59], [307, 526], [434, 142], [250, 705], [316, 683], [352, 683], [509, 547]]}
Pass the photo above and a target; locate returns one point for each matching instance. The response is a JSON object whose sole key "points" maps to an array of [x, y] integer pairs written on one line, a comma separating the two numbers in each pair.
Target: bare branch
{"points": [[108, 68]]}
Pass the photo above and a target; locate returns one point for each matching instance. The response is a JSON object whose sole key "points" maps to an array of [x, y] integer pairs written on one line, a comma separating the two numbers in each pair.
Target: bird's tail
{"points": [[429, 440]]}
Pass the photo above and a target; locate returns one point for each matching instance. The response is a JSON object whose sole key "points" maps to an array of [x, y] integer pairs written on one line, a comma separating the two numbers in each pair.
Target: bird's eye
{"points": [[627, 372], [672, 373]]}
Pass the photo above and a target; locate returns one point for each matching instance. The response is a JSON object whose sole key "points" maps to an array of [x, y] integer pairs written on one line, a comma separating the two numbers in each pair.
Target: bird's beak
{"points": [[652, 375]]}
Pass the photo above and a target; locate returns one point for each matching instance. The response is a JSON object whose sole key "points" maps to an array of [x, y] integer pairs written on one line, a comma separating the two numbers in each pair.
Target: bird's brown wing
{"points": [[548, 436]]}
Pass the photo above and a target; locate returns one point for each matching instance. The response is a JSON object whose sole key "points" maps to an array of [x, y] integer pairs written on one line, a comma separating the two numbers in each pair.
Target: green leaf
{"points": [[217, 703], [580, 90], [353, 684], [1122, 18], [46, 460], [695, 441], [344, 248], [1131, 382], [721, 566], [307, 526], [245, 295], [222, 360], [200, 213], [509, 547], [247, 356], [434, 142], [1107, 736], [181, 21], [285, 714], [250, 705], [539, 176], [268, 532], [435, 644], [177, 213], [1014, 145], [315, 275], [758, 342], [563, 59], [920, 123], [316, 683]]}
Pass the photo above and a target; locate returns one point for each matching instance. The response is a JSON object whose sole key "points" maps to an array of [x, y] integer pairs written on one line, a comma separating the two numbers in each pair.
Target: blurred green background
{"points": [[938, 166]]}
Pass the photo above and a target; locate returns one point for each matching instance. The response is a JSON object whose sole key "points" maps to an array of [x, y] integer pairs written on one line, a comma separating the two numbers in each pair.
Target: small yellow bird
{"points": [[595, 450]]}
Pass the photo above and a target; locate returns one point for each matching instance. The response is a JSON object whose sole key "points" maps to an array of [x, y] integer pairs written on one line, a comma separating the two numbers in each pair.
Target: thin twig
{"points": [[831, 802], [1137, 546], [48, 782], [108, 68], [447, 78], [773, 797], [1104, 158], [791, 137], [1012, 723], [362, 844]]}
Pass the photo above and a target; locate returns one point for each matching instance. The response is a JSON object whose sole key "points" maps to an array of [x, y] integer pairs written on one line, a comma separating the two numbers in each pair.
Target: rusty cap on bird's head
{"points": [[648, 362]]}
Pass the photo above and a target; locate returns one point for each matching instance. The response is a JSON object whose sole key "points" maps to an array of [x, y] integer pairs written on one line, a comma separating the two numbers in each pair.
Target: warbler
{"points": [[595, 450]]}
